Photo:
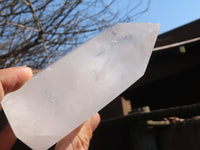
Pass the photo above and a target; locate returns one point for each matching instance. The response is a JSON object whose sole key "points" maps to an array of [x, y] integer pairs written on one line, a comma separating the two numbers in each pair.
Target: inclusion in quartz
{"points": [[61, 97]]}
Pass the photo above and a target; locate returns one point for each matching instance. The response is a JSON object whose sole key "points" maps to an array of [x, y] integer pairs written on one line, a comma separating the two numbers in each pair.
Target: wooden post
{"points": [[126, 106]]}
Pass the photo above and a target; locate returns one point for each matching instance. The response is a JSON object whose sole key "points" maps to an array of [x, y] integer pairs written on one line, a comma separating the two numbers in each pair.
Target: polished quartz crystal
{"points": [[65, 94]]}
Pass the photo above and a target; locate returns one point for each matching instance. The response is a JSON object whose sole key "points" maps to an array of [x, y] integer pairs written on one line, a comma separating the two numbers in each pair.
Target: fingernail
{"points": [[28, 71]]}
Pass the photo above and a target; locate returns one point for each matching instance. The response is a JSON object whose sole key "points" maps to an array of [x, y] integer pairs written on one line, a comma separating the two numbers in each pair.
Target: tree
{"points": [[36, 33]]}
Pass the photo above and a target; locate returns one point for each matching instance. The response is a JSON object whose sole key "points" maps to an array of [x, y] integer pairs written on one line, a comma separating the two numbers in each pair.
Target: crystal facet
{"points": [[68, 92]]}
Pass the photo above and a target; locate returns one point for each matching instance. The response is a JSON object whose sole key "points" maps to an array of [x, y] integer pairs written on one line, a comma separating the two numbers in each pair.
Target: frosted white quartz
{"points": [[68, 92]]}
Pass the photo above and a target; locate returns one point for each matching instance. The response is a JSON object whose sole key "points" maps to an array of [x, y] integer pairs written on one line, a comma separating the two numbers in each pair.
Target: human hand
{"points": [[79, 139], [12, 79]]}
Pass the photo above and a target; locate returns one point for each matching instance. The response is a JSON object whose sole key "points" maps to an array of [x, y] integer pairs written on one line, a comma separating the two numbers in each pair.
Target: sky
{"points": [[171, 13]]}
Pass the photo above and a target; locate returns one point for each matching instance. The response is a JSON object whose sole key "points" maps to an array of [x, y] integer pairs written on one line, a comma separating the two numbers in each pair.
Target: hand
{"points": [[12, 79], [79, 139]]}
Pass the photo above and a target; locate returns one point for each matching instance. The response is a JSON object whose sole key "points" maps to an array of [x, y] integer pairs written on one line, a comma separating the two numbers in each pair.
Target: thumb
{"points": [[81, 136], [12, 79]]}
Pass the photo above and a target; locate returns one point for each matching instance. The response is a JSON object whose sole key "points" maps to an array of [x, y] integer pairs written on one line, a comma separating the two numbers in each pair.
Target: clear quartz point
{"points": [[65, 94]]}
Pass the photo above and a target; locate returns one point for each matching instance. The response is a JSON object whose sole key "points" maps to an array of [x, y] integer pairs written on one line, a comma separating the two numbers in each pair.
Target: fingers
{"points": [[7, 138], [12, 79], [94, 121], [81, 136]]}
